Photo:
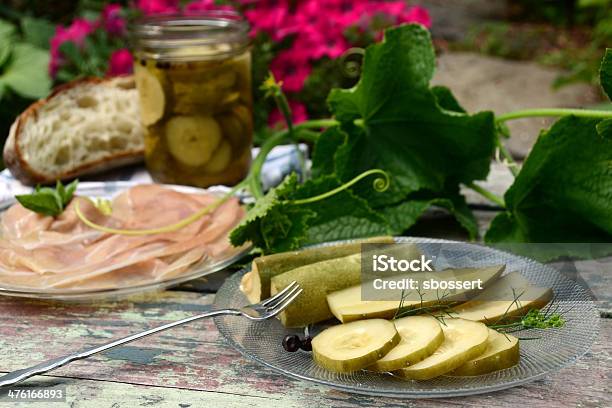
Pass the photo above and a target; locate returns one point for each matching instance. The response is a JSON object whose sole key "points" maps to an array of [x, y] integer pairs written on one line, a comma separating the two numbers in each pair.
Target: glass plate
{"points": [[108, 190], [554, 348]]}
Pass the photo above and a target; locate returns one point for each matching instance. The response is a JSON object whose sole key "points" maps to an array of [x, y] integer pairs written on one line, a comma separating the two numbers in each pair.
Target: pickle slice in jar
{"points": [[203, 92], [151, 92], [237, 127], [192, 139], [220, 159]]}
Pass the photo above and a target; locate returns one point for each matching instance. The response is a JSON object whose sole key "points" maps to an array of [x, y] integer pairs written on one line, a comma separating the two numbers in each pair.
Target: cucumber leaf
{"points": [[341, 216], [563, 193], [273, 225], [564, 190], [605, 73], [420, 135]]}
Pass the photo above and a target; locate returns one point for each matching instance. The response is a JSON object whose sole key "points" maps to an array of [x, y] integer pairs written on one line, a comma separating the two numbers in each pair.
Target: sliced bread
{"points": [[83, 127]]}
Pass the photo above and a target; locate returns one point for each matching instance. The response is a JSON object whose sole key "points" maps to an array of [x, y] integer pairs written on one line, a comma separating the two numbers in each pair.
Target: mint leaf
{"points": [[40, 202], [68, 192], [415, 133], [48, 191], [47, 200], [605, 73], [564, 190]]}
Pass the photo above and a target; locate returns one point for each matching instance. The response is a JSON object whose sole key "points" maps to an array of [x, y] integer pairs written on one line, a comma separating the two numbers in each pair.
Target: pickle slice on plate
{"points": [[220, 159], [502, 352], [421, 336], [192, 139], [463, 341], [353, 346], [152, 98]]}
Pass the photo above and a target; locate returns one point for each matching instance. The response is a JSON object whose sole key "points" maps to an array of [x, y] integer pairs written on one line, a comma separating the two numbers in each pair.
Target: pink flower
{"points": [[112, 20], [158, 6], [290, 70], [121, 62], [272, 17], [321, 40], [206, 5], [75, 32], [298, 114]]}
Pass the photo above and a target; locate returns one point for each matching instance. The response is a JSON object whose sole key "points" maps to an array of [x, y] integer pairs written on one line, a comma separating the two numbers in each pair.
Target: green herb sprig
{"points": [[47, 200], [443, 308]]}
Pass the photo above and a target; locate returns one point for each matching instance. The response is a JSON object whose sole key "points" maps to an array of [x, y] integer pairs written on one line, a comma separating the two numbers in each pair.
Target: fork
{"points": [[257, 312]]}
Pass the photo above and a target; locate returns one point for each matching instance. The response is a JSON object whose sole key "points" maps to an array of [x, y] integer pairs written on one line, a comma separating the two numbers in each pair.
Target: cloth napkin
{"points": [[281, 161]]}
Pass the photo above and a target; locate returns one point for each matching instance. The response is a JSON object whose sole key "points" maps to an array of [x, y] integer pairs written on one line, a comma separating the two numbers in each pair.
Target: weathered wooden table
{"points": [[191, 366]]}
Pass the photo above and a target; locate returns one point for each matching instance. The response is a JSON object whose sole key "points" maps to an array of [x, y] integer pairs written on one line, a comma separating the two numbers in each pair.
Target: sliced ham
{"points": [[45, 252]]}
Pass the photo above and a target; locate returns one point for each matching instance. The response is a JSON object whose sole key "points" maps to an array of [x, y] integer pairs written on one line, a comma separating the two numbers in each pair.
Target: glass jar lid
{"points": [[202, 35]]}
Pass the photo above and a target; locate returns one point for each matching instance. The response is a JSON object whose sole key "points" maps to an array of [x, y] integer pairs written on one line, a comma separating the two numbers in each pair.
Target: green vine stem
{"points": [[167, 228], [512, 165], [531, 113], [487, 194], [379, 184]]}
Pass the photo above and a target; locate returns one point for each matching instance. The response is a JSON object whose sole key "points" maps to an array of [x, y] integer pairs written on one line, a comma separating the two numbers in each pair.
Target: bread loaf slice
{"points": [[83, 127]]}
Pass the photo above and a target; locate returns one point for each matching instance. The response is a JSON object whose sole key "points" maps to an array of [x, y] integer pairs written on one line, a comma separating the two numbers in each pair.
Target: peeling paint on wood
{"points": [[192, 366]]}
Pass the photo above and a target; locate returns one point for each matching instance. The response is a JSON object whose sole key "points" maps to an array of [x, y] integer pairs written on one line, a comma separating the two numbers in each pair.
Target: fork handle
{"points": [[46, 366]]}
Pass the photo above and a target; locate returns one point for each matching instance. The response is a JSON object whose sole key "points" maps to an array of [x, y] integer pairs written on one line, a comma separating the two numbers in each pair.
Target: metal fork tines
{"points": [[263, 310]]}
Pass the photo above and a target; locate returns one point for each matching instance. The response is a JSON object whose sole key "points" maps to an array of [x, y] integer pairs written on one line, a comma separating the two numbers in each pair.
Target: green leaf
{"points": [[605, 73], [47, 200], [27, 71], [273, 225], [40, 202], [71, 51], [68, 192], [37, 31], [564, 190], [458, 207], [446, 99], [415, 133], [325, 149], [7, 37], [341, 216], [54, 193], [405, 214]]}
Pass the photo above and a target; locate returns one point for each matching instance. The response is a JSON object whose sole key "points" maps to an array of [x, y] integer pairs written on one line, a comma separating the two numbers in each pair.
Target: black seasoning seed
{"points": [[291, 343], [306, 344], [143, 62]]}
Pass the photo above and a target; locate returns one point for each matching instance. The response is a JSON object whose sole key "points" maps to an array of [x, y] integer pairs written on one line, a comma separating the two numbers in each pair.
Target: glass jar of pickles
{"points": [[193, 74]]}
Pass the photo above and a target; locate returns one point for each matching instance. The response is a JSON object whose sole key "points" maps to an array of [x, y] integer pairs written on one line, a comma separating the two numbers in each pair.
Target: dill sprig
{"points": [[547, 318]]}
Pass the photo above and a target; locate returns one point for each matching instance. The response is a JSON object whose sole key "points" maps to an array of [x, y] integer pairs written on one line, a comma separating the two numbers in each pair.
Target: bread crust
{"points": [[21, 170]]}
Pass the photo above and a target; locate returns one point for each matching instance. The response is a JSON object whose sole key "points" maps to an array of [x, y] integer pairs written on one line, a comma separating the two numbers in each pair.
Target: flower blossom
{"points": [[112, 20], [206, 5], [291, 69], [157, 6], [121, 62], [75, 32]]}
